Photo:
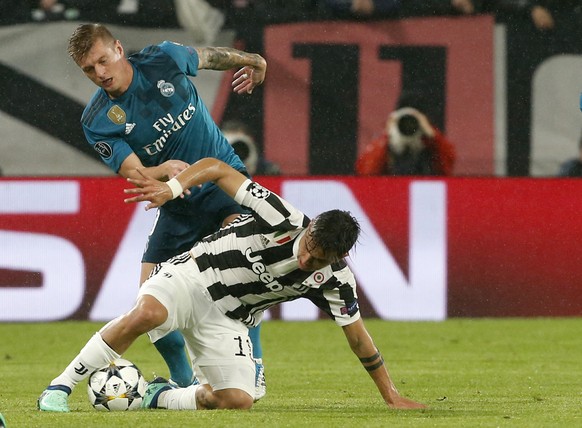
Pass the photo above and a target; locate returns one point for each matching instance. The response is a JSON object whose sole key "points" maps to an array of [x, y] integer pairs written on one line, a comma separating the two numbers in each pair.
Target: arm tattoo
{"points": [[376, 359], [226, 58], [370, 359]]}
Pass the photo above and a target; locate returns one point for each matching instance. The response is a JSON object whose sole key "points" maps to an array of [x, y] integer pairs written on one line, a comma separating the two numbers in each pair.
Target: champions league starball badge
{"points": [[166, 88], [104, 149], [259, 191]]}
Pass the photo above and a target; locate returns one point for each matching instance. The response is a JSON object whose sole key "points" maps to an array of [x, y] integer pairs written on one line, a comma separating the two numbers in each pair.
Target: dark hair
{"points": [[84, 37], [335, 231]]}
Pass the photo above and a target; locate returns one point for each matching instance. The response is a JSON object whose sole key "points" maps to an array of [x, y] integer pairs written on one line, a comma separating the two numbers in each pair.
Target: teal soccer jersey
{"points": [[160, 117]]}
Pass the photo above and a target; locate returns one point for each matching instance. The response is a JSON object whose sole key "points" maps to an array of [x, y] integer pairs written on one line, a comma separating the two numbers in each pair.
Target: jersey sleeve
{"points": [[269, 208], [338, 297], [113, 151], [185, 57]]}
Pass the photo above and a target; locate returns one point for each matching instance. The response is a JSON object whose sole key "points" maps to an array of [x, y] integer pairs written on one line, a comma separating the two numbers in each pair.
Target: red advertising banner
{"points": [[430, 249]]}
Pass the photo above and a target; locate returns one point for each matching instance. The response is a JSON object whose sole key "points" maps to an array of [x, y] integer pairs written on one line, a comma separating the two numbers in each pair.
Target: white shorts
{"points": [[221, 345]]}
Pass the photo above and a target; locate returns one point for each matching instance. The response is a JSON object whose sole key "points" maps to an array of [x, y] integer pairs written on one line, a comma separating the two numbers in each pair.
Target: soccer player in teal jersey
{"points": [[148, 115]]}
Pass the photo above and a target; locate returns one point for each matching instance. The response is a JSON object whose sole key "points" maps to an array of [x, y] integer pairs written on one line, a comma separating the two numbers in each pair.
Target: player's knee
{"points": [[234, 399], [236, 404], [243, 402], [148, 314]]}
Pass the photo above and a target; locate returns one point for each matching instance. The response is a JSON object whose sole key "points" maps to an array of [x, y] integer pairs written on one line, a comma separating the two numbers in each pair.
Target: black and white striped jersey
{"points": [[251, 264]]}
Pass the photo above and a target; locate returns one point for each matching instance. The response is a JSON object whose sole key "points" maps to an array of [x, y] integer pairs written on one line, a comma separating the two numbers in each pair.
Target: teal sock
{"points": [[255, 335], [172, 349]]}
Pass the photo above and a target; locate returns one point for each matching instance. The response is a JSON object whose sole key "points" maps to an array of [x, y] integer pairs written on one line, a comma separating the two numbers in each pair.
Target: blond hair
{"points": [[84, 37]]}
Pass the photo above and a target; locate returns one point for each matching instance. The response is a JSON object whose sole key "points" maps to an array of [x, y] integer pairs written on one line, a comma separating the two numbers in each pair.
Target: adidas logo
{"points": [[129, 127]]}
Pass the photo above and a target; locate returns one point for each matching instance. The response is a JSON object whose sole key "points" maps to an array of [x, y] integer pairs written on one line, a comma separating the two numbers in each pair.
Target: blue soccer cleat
{"points": [[153, 391], [54, 399]]}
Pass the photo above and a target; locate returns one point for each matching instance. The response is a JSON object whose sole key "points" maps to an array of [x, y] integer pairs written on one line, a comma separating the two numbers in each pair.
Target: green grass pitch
{"points": [[470, 372]]}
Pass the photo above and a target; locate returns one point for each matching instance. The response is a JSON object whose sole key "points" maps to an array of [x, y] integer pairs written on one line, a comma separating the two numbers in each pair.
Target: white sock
{"points": [[179, 399], [95, 354]]}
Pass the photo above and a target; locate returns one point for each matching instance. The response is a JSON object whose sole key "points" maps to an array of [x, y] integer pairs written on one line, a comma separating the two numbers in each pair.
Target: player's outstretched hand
{"points": [[148, 189], [173, 167], [247, 78], [405, 403]]}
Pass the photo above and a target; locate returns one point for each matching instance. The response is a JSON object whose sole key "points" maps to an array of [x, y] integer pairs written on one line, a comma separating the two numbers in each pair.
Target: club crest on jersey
{"points": [[166, 88], [259, 192], [116, 115], [318, 277], [103, 149]]}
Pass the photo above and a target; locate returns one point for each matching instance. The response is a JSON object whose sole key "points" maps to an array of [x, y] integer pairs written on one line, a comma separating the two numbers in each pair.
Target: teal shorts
{"points": [[183, 222]]}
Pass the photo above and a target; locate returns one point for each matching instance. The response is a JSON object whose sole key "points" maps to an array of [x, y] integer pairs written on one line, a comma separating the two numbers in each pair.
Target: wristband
{"points": [[175, 187]]}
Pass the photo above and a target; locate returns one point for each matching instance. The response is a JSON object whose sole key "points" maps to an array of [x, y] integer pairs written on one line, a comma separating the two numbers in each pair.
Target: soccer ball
{"points": [[117, 386]]}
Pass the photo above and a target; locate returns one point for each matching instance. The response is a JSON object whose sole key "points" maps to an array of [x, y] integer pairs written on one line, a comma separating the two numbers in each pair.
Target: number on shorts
{"points": [[240, 352]]}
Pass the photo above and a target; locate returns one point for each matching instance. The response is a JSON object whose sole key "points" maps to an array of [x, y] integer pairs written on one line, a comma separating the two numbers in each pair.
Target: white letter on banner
{"points": [[58, 261], [389, 292], [61, 266], [119, 289]]}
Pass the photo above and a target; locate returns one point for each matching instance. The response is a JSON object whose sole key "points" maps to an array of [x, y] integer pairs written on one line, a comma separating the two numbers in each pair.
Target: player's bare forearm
{"points": [[379, 374], [363, 346], [163, 172], [154, 172], [252, 68], [203, 171], [219, 58], [210, 169]]}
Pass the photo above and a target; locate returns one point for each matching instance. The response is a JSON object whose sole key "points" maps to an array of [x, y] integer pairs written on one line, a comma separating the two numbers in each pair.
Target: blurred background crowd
{"points": [[544, 14], [411, 142]]}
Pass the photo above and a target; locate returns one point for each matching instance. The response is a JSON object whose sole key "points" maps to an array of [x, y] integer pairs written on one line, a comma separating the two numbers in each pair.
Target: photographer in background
{"points": [[409, 145], [240, 137]]}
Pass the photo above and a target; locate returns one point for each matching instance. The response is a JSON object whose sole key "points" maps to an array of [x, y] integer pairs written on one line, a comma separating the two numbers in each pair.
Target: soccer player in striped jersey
{"points": [[147, 115], [223, 285]]}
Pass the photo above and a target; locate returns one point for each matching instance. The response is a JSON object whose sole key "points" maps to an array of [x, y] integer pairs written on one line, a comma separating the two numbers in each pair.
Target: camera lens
{"points": [[408, 125], [241, 148]]}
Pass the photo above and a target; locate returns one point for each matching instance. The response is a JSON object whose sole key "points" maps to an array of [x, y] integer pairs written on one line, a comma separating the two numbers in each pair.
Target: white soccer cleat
{"points": [[260, 382]]}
